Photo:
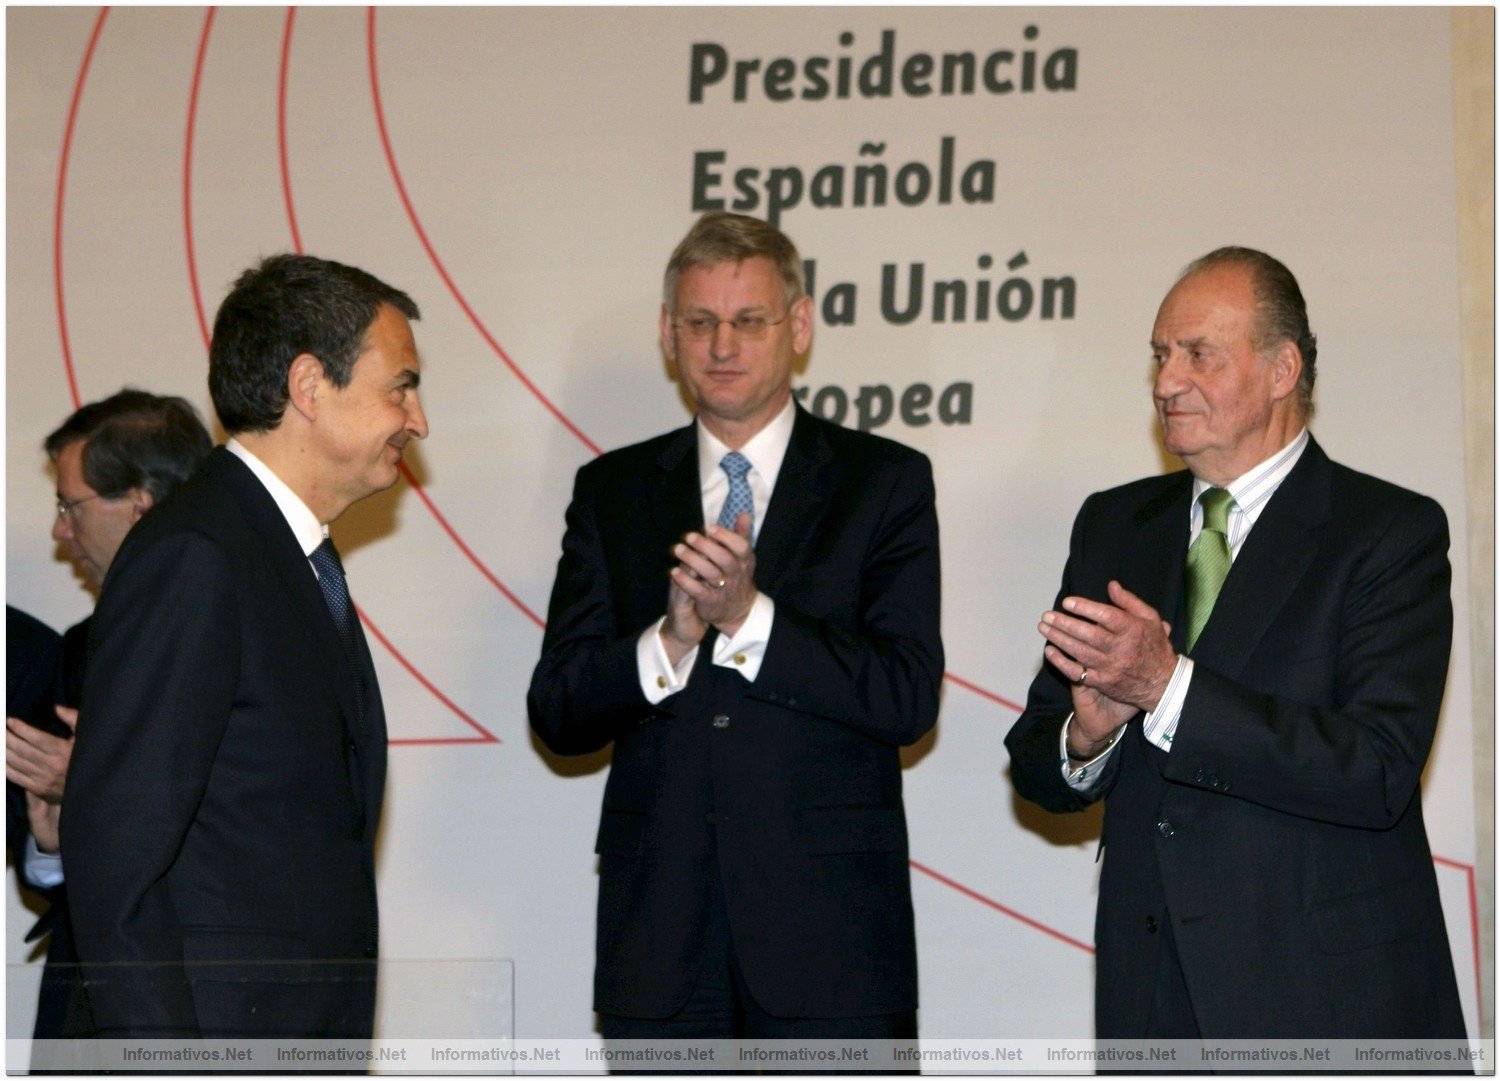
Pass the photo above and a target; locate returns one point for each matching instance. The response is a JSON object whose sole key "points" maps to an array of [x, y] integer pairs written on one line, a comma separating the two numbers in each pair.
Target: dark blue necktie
{"points": [[325, 559]]}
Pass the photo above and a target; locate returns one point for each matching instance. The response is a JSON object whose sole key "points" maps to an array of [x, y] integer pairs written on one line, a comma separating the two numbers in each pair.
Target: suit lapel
{"points": [[290, 565], [804, 490], [676, 504], [1270, 565], [1154, 570]]}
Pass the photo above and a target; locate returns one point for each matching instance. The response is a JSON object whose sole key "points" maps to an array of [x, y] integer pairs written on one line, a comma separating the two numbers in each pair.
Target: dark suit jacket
{"points": [[214, 814], [794, 781], [32, 662], [43, 669], [1283, 834]]}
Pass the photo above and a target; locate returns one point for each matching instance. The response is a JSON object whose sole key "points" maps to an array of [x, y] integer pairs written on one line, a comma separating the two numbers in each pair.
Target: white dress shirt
{"points": [[747, 649], [1251, 492], [304, 523]]}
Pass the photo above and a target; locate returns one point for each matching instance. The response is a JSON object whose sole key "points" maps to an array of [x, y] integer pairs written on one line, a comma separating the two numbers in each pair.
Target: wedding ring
{"points": [[719, 584], [1082, 678]]}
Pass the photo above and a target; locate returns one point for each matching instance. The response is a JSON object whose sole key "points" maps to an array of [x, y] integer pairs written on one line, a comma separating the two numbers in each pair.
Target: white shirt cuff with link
{"points": [[1158, 726], [744, 652], [42, 869]]}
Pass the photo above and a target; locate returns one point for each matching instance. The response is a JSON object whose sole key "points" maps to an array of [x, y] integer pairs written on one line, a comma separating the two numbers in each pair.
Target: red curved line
{"points": [[976, 689], [464, 548], [187, 175], [286, 176], [998, 907], [1446, 862], [1468, 870], [390, 157], [485, 735], [57, 212]]}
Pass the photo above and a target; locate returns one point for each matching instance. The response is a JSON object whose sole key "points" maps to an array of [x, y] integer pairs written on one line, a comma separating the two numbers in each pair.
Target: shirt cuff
{"points": [[747, 649], [42, 869], [1083, 777], [1160, 725], [658, 678]]}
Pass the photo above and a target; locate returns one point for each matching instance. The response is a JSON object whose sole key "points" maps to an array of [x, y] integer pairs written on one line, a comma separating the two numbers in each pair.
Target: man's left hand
{"points": [[718, 572], [38, 760], [1121, 650]]}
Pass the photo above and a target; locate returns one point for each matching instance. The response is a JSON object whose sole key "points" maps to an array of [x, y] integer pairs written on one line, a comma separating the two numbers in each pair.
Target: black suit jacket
{"points": [[1283, 835], [32, 676], [224, 791], [43, 669], [789, 787]]}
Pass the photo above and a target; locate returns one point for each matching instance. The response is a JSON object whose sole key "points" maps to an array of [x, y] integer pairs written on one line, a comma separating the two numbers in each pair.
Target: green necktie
{"points": [[1208, 561]]}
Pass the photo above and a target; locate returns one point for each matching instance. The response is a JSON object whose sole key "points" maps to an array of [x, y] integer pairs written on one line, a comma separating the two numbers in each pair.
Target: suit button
{"points": [[791, 701], [721, 721], [1224, 786], [1198, 777], [1165, 828], [1151, 925]]}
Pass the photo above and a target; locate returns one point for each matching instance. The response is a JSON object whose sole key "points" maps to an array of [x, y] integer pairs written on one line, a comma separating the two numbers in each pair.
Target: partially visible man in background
{"points": [[113, 460]]}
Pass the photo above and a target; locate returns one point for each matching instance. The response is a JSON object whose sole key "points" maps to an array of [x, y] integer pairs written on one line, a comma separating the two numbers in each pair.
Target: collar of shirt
{"points": [[766, 450], [1251, 490], [303, 522]]}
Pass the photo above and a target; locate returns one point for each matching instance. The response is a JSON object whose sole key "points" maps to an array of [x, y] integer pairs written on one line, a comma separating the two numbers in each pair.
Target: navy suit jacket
{"points": [[224, 792], [788, 787], [1283, 834]]}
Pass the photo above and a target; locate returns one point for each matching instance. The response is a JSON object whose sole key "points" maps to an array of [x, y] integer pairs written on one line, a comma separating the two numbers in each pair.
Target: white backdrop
{"points": [[524, 175]]}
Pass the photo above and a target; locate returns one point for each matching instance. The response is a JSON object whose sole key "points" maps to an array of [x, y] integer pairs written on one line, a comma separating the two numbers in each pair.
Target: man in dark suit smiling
{"points": [[757, 676], [1246, 662], [226, 786]]}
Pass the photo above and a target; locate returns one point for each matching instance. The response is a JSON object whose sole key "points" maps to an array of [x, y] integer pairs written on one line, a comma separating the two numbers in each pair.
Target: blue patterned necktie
{"points": [[325, 558], [736, 466]]}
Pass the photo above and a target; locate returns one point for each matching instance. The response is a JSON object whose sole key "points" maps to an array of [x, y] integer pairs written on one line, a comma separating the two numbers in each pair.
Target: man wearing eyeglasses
{"points": [[757, 676], [113, 460]]}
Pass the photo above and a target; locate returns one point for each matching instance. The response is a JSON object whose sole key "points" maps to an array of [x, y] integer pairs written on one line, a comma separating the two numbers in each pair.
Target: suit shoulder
{"points": [[1356, 487], [1139, 496], [635, 457], [1384, 507], [872, 450]]}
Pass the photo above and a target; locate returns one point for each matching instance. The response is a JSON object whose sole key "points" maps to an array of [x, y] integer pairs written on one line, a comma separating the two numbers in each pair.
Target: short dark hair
{"points": [[722, 237], [135, 439], [1281, 314], [286, 306]]}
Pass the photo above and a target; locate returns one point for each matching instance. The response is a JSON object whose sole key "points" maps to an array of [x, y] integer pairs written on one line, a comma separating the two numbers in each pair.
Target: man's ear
{"points": [[802, 325], [305, 381], [140, 502], [1287, 369], [668, 338]]}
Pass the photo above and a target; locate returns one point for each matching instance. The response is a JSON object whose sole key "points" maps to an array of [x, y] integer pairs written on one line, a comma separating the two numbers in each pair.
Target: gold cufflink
{"points": [[661, 681], [739, 658]]}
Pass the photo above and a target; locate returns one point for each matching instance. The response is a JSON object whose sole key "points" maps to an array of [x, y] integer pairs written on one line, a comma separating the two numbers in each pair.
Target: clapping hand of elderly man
{"points": [[717, 570], [1118, 656]]}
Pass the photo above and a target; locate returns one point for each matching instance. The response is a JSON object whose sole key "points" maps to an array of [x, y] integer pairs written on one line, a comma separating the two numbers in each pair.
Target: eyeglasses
{"points": [[749, 327], [68, 508]]}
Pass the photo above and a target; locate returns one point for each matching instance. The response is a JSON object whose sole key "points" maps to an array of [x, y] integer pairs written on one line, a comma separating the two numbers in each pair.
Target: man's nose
{"points": [[1169, 379], [416, 419], [725, 340], [62, 528]]}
